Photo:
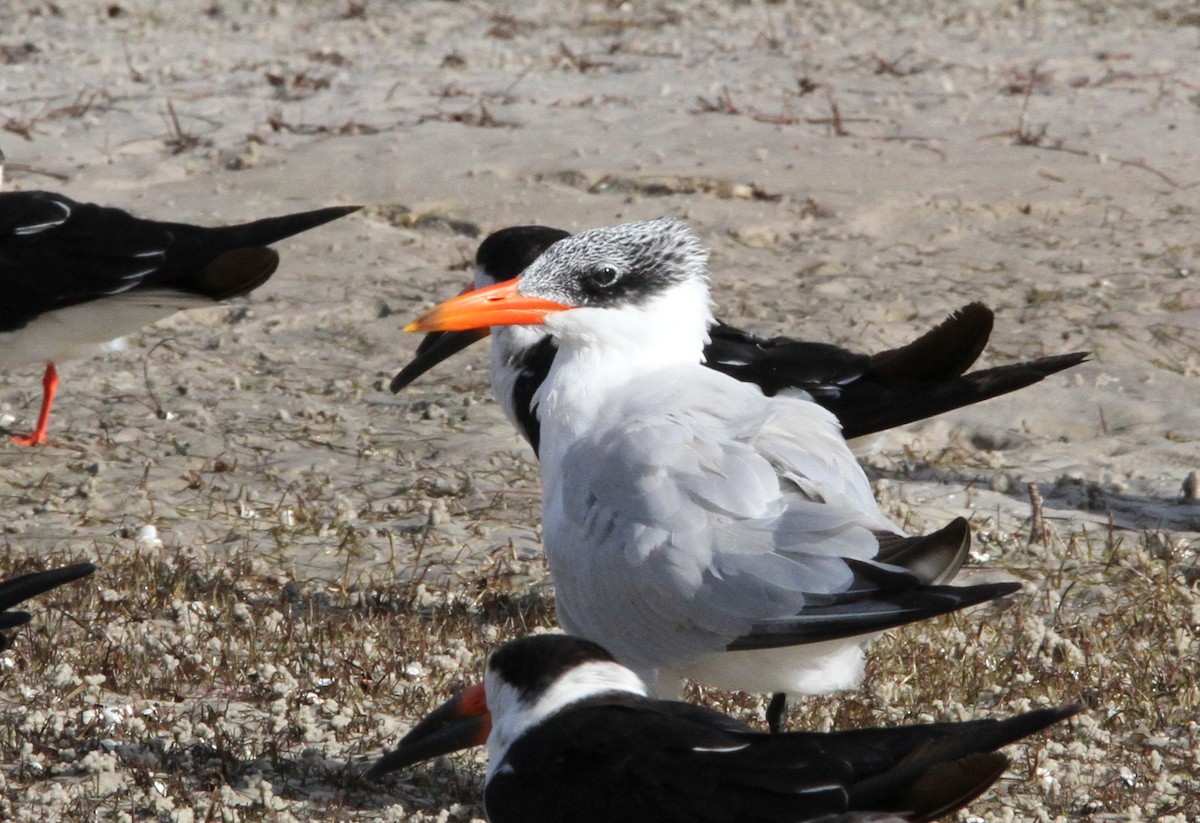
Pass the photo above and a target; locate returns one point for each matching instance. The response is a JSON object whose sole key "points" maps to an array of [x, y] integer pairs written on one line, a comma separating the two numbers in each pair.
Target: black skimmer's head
{"points": [[574, 737], [501, 257], [17, 590], [525, 682], [75, 276], [521, 355]]}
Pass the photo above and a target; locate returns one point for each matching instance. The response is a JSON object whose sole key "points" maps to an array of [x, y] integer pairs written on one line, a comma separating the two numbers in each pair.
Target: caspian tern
{"points": [[867, 393], [573, 737], [17, 590], [694, 526], [74, 276]]}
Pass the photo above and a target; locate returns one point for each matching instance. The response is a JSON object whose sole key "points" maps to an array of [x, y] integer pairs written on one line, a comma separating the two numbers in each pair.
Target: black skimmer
{"points": [[75, 276], [573, 736], [17, 590], [695, 526], [867, 393]]}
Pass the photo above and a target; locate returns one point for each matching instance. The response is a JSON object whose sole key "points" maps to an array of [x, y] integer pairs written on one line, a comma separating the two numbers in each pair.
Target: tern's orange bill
{"points": [[498, 305]]}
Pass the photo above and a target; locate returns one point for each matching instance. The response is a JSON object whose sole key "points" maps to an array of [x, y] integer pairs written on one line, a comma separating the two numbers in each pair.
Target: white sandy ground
{"points": [[858, 173]]}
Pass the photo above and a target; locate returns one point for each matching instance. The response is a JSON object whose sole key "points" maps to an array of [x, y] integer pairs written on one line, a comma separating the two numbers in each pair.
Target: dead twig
{"points": [[469, 117], [724, 104], [27, 169], [134, 75], [1038, 533], [721, 104], [836, 121], [1026, 135], [578, 62], [178, 140], [892, 67]]}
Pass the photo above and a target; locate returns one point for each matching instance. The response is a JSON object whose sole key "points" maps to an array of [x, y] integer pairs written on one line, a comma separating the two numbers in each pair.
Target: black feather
{"points": [[56, 253]]}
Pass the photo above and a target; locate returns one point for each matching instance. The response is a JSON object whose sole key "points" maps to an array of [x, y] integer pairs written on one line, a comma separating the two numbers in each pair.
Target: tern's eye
{"points": [[602, 277]]}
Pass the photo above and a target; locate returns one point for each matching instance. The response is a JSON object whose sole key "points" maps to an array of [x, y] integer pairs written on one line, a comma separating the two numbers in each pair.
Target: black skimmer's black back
{"points": [[573, 738], [76, 275]]}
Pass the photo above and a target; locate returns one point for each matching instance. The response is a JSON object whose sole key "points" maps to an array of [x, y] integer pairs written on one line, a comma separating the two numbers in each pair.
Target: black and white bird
{"points": [[695, 526], [573, 737], [17, 590], [867, 393], [76, 276]]}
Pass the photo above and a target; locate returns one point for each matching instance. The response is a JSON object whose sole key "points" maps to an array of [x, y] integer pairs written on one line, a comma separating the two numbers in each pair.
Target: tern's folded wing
{"points": [[714, 522]]}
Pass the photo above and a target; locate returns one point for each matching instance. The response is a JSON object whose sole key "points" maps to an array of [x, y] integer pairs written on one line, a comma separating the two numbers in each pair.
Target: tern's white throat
{"points": [[601, 349]]}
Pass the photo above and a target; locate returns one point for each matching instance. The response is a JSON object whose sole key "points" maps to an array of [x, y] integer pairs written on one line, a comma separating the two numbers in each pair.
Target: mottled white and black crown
{"points": [[618, 266]]}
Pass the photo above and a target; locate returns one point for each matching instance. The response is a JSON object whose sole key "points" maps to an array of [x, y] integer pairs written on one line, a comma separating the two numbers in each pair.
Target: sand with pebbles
{"points": [[857, 172]]}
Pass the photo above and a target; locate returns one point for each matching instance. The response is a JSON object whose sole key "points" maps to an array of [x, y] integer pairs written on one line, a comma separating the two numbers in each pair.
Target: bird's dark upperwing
{"points": [[634, 760], [55, 252], [880, 598], [873, 393], [17, 590], [776, 363], [660, 762]]}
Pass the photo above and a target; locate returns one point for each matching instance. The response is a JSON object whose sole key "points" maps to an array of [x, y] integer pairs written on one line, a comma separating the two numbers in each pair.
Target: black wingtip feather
{"points": [[947, 770], [270, 230], [19, 589], [945, 351], [947, 787], [868, 615], [933, 558], [237, 272], [868, 406], [10, 620]]}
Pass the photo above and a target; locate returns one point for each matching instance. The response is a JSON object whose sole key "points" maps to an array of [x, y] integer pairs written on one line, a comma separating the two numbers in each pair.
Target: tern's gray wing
{"points": [[741, 510]]}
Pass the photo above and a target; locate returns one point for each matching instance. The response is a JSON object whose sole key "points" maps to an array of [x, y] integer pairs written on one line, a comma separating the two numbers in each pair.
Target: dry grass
{"points": [[173, 683]]}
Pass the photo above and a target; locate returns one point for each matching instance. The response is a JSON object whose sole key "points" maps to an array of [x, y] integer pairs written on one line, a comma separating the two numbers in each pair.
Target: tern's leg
{"points": [[49, 389], [777, 713]]}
